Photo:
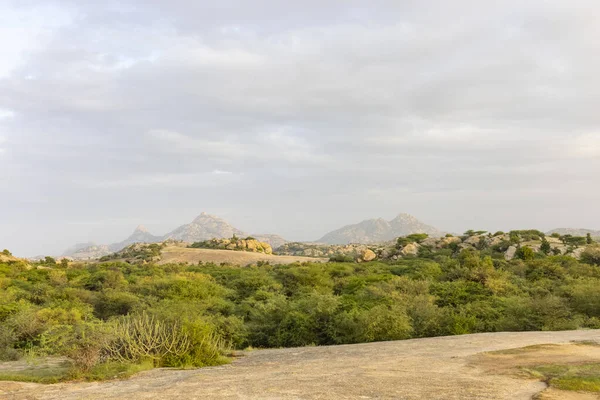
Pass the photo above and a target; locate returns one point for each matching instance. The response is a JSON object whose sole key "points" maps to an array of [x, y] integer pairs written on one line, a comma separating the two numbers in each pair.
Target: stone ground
{"points": [[432, 368]]}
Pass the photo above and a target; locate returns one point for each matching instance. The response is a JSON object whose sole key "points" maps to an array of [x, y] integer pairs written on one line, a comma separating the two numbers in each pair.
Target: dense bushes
{"points": [[180, 315]]}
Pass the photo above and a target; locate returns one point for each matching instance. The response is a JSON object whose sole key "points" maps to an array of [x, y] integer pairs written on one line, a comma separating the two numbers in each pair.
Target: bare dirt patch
{"points": [[174, 254]]}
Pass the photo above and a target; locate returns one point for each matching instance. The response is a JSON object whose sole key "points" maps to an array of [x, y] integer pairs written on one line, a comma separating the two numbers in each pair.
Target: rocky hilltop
{"points": [[379, 230], [516, 244], [249, 244]]}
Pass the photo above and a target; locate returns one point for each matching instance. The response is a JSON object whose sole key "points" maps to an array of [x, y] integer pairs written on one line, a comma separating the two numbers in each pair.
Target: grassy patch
{"points": [[580, 377], [38, 374], [65, 372], [114, 370], [527, 349]]}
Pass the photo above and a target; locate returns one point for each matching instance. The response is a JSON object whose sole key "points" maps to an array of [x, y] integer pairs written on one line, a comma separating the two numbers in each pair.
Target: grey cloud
{"points": [[294, 117]]}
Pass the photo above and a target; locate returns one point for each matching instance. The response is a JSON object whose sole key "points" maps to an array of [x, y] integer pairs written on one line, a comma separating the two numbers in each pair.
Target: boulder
{"points": [[368, 255], [510, 253], [431, 242], [474, 240], [411, 249], [496, 240], [447, 241]]}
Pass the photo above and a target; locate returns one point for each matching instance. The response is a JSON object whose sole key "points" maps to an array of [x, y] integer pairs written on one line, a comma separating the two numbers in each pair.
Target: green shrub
{"points": [[139, 337], [413, 238], [591, 255], [84, 343], [525, 253], [8, 340], [341, 258]]}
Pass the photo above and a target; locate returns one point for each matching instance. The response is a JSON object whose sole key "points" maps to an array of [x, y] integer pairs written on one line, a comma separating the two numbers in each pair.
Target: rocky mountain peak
{"points": [[405, 217], [141, 229], [205, 227], [379, 230]]}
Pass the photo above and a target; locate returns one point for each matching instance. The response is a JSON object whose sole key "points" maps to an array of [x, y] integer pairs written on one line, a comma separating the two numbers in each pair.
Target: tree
{"points": [[525, 253], [6, 252], [49, 260], [545, 247], [589, 239]]}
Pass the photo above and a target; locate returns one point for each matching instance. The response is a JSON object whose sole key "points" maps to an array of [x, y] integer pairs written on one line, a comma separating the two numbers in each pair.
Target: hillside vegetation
{"points": [[113, 314]]}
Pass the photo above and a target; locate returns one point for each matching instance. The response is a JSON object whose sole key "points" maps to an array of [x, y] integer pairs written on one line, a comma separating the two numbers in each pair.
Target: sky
{"points": [[295, 117]]}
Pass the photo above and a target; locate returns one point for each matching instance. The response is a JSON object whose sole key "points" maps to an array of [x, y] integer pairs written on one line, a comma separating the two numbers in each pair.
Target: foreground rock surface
{"points": [[433, 368]]}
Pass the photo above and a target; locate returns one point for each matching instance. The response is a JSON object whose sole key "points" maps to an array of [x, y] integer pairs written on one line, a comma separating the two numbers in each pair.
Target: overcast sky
{"points": [[295, 117]]}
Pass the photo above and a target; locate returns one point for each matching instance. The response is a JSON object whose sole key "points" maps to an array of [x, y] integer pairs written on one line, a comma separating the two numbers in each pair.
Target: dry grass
{"points": [[174, 254]]}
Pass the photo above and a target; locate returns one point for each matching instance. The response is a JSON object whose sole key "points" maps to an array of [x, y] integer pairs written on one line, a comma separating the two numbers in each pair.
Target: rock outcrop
{"points": [[248, 244]]}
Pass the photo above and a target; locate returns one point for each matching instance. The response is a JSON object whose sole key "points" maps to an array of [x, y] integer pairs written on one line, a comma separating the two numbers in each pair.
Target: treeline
{"points": [[182, 315]]}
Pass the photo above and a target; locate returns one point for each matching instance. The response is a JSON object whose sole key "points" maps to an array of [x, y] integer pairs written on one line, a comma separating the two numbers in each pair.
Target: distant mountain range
{"points": [[203, 227], [379, 230], [574, 232]]}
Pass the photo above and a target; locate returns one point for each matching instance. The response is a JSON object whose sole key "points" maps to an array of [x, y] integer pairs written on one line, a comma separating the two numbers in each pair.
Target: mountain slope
{"points": [[139, 235], [78, 247], [204, 227], [90, 253], [274, 240], [379, 230]]}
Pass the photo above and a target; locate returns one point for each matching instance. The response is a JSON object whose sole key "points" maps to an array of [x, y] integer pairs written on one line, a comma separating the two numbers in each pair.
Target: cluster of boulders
{"points": [[357, 252], [248, 244], [505, 243]]}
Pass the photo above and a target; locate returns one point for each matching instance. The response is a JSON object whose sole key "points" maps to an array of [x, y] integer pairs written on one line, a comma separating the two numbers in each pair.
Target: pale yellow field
{"points": [[174, 254]]}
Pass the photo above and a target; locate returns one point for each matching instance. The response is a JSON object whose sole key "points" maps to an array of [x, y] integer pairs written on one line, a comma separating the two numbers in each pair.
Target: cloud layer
{"points": [[295, 117]]}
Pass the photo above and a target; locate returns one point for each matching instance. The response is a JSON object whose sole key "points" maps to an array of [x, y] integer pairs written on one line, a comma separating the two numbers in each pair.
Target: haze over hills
{"points": [[574, 232], [203, 227], [379, 230], [140, 235], [206, 227]]}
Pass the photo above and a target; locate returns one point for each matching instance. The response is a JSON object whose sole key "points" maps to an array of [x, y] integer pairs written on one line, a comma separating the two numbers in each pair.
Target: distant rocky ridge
{"points": [[379, 230], [204, 227], [574, 232], [140, 235]]}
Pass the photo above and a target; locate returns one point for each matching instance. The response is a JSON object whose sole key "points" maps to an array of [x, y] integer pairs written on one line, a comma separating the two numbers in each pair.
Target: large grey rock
{"points": [[510, 253]]}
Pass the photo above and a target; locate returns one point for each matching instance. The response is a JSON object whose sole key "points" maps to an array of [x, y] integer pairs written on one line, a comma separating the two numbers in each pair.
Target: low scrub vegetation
{"points": [[114, 318], [573, 377]]}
